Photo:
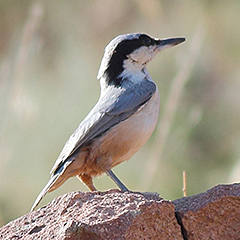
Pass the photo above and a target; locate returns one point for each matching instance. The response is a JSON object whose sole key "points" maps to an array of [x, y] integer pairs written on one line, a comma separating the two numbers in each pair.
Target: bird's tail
{"points": [[45, 190]]}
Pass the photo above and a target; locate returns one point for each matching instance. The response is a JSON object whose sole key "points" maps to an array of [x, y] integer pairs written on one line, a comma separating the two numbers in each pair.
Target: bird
{"points": [[122, 120]]}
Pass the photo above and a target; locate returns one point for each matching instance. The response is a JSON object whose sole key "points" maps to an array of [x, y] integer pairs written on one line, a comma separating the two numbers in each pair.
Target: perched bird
{"points": [[122, 120]]}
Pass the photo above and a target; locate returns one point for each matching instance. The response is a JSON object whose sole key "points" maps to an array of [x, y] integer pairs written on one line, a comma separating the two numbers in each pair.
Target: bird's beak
{"points": [[169, 42]]}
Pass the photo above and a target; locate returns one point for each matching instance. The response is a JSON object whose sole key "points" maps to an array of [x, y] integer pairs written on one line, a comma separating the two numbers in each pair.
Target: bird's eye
{"points": [[145, 40]]}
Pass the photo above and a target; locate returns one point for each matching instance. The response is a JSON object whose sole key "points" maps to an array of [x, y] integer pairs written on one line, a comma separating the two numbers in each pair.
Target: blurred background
{"points": [[50, 52]]}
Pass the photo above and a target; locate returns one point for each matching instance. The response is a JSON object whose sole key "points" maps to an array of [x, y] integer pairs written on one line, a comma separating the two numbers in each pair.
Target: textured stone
{"points": [[116, 215], [158, 221], [99, 215], [214, 214]]}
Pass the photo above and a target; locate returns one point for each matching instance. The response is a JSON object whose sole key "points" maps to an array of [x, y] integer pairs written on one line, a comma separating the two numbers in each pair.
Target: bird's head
{"points": [[128, 54]]}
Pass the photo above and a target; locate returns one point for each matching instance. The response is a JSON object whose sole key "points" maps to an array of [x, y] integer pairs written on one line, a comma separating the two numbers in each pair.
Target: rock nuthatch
{"points": [[122, 120]]}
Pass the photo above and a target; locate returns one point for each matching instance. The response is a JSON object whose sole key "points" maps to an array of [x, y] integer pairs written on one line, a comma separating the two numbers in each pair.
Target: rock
{"points": [[129, 215], [214, 214], [97, 215], [158, 221]]}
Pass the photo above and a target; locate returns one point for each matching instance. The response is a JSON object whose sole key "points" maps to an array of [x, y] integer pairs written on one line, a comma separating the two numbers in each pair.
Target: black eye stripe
{"points": [[120, 52], [145, 40]]}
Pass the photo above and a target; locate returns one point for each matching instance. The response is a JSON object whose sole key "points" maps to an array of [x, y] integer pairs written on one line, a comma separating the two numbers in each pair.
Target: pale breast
{"points": [[123, 140]]}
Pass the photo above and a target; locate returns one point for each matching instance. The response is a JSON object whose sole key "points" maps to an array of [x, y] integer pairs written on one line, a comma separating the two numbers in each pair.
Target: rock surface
{"points": [[116, 215], [214, 214]]}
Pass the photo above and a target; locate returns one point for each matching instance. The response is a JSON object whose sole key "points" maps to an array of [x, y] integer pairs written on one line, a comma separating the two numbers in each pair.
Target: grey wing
{"points": [[113, 108]]}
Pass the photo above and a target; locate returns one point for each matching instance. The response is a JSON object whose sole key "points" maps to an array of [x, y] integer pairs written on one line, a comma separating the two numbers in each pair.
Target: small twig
{"points": [[184, 184]]}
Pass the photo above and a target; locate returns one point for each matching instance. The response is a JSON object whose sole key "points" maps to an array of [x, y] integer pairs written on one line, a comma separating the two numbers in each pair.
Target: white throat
{"points": [[134, 72]]}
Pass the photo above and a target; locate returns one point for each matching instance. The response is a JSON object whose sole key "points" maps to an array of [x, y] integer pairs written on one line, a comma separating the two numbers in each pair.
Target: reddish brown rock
{"points": [[104, 215], [158, 221], [214, 214], [116, 215]]}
